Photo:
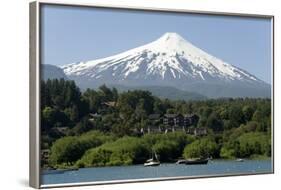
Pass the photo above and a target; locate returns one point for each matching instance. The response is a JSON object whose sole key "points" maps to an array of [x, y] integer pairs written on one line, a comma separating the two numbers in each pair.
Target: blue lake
{"points": [[214, 167]]}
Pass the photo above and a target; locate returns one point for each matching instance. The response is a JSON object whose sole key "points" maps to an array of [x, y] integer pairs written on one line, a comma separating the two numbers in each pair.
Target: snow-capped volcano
{"points": [[167, 61]]}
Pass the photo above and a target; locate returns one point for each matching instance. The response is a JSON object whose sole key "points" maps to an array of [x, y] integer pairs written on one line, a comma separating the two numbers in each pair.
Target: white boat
{"points": [[239, 160], [153, 161], [181, 161]]}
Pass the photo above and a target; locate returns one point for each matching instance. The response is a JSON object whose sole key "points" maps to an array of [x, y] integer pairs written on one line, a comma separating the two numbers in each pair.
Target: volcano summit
{"points": [[170, 61]]}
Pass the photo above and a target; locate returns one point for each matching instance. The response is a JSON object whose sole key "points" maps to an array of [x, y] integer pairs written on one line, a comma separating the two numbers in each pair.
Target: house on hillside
{"points": [[190, 119], [172, 123], [173, 119]]}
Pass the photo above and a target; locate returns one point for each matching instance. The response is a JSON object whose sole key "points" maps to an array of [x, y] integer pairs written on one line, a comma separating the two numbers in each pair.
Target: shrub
{"points": [[70, 149], [124, 151], [202, 148]]}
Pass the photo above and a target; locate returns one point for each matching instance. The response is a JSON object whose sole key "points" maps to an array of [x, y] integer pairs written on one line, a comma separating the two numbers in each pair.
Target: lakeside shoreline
{"points": [[108, 173], [73, 167]]}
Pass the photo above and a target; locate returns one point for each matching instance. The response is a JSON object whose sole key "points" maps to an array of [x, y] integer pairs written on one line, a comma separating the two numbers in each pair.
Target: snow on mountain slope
{"points": [[169, 61], [169, 57]]}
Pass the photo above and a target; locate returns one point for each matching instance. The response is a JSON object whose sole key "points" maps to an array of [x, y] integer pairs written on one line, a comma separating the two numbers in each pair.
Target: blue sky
{"points": [[73, 34]]}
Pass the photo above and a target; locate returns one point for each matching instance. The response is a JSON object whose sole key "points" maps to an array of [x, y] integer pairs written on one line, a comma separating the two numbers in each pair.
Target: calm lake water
{"points": [[214, 167]]}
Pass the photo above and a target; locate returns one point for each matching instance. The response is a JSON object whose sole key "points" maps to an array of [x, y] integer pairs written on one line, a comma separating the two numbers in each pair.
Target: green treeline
{"points": [[98, 127]]}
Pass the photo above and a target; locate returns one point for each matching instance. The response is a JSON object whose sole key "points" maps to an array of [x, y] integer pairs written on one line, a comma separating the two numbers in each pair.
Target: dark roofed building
{"points": [[158, 123], [190, 119], [173, 119]]}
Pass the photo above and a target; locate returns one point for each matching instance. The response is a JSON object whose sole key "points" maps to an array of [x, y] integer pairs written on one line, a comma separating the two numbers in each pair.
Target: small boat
{"points": [[239, 160], [181, 161], [196, 161], [153, 161]]}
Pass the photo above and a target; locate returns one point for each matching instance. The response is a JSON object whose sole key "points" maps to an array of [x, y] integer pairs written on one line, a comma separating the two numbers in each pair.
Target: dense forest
{"points": [[98, 127]]}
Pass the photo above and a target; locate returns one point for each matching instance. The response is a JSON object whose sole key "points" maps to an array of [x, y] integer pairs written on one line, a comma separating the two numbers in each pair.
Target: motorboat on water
{"points": [[196, 161], [239, 160], [181, 161], [153, 161]]}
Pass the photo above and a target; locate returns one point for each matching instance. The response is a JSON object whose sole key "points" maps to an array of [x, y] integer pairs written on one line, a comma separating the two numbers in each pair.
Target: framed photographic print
{"points": [[133, 94]]}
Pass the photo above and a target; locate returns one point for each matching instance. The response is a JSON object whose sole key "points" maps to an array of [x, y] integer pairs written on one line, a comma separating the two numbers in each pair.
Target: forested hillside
{"points": [[98, 127]]}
